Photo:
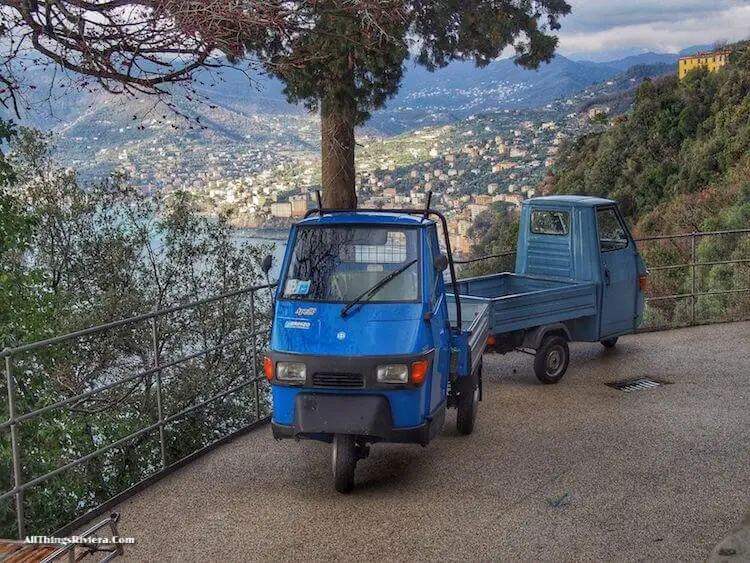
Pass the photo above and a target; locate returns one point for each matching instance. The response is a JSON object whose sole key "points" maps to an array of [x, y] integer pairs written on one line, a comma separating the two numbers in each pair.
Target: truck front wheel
{"points": [[468, 402], [552, 359], [344, 460]]}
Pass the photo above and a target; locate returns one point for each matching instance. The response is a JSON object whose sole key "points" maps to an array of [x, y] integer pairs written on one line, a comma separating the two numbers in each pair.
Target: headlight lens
{"points": [[292, 372], [395, 373]]}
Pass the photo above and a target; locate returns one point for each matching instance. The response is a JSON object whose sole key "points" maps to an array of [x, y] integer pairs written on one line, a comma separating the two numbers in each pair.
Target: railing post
{"points": [[159, 406], [17, 477], [693, 260], [255, 355]]}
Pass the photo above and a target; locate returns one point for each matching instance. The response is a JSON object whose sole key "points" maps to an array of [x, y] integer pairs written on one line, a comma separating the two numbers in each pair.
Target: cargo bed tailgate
{"points": [[469, 345]]}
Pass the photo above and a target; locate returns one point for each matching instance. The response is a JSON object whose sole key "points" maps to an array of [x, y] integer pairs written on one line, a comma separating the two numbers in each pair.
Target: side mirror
{"points": [[267, 264], [441, 263]]}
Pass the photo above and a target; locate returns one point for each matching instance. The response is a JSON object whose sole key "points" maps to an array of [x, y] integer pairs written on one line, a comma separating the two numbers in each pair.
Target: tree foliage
{"points": [[495, 232], [342, 57], [679, 163], [349, 63], [680, 138], [88, 255], [22, 309]]}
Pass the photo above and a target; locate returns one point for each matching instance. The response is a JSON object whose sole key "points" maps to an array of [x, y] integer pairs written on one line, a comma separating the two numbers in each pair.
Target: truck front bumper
{"points": [[319, 416]]}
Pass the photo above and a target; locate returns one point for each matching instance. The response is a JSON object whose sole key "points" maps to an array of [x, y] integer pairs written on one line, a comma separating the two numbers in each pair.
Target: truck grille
{"points": [[339, 380]]}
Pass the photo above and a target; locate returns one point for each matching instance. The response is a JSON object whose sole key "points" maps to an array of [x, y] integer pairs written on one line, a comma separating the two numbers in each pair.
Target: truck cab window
{"points": [[550, 222], [612, 233]]}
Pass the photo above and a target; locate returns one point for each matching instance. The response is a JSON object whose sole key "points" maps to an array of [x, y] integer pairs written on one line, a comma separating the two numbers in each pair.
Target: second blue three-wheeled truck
{"points": [[370, 343]]}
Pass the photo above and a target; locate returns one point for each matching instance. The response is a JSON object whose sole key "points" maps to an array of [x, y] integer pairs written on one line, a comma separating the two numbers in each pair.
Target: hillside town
{"points": [[485, 160], [492, 158], [263, 172]]}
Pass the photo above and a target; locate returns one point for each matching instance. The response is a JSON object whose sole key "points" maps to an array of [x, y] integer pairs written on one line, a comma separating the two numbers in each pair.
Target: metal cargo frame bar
{"points": [[425, 213]]}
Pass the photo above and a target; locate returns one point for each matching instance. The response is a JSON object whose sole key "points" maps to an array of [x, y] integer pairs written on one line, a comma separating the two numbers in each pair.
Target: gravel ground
{"points": [[567, 472]]}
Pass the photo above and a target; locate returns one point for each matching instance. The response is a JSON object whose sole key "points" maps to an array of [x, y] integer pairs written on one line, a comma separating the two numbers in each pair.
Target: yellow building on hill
{"points": [[711, 61]]}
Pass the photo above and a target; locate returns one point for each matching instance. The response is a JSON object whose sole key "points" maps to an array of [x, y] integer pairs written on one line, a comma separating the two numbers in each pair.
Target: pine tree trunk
{"points": [[337, 152]]}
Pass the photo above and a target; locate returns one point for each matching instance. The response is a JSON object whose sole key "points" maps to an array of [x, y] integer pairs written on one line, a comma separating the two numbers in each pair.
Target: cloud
{"points": [[658, 25], [595, 15]]}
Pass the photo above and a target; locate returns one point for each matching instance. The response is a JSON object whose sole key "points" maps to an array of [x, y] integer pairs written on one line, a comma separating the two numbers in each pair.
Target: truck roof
{"points": [[361, 217], [575, 200]]}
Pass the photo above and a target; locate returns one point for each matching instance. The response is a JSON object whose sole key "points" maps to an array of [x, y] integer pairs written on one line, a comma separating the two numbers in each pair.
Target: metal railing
{"points": [[682, 248], [501, 262], [683, 256], [257, 334], [685, 248]]}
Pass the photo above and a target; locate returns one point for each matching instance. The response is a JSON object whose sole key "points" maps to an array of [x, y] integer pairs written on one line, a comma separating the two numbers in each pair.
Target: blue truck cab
{"points": [[578, 277], [362, 346], [371, 342]]}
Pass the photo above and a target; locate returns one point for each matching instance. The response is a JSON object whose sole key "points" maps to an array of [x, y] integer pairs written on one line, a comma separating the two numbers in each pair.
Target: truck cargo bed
{"points": [[472, 340], [520, 302]]}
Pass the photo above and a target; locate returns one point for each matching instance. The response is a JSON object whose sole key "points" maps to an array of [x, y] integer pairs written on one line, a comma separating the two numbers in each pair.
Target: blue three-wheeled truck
{"points": [[370, 343]]}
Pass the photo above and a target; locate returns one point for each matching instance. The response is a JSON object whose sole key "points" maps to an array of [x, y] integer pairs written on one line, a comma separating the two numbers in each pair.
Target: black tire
{"points": [[468, 402], [609, 343], [552, 359], [343, 460]]}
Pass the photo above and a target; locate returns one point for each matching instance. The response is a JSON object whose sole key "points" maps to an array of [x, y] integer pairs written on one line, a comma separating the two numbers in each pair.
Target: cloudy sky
{"points": [[627, 26]]}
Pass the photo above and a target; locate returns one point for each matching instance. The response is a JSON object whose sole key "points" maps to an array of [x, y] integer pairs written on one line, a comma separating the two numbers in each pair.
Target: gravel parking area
{"points": [[568, 472]]}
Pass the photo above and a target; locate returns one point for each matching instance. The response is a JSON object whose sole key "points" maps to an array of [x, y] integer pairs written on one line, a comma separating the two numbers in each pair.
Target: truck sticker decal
{"points": [[305, 312], [297, 287], [291, 287], [303, 325], [303, 287]]}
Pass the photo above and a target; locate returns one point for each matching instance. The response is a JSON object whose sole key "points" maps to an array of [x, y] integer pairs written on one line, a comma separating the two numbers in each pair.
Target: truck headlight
{"points": [[293, 372], [395, 373]]}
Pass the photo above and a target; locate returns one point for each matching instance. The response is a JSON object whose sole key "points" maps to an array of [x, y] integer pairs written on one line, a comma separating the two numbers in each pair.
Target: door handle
{"points": [[607, 279]]}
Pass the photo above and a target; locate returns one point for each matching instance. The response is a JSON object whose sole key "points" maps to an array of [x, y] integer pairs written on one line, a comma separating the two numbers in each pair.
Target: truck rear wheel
{"points": [[552, 359], [609, 342], [468, 402], [344, 460]]}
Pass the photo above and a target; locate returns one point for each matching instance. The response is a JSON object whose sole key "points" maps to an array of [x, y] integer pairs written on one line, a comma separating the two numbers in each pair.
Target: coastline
{"points": [[270, 234]]}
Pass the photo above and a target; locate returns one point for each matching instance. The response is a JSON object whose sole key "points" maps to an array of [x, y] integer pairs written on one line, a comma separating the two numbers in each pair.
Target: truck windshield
{"points": [[339, 263]]}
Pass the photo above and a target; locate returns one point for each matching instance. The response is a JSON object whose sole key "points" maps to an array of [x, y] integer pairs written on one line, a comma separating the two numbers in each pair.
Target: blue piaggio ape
{"points": [[362, 346], [371, 344]]}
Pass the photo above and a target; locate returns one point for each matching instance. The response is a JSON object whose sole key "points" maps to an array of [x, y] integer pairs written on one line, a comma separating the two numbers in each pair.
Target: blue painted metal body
{"points": [[318, 329], [567, 278]]}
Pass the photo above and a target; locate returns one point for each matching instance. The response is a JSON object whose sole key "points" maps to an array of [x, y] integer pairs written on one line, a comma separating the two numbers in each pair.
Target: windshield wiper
{"points": [[377, 286]]}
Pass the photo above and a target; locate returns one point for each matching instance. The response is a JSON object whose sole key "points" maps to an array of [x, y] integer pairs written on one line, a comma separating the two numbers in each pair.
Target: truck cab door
{"points": [[619, 274], [436, 315]]}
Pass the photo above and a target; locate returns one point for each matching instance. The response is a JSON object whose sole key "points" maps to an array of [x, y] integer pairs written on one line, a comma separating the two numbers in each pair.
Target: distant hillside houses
{"points": [[596, 111], [295, 208]]}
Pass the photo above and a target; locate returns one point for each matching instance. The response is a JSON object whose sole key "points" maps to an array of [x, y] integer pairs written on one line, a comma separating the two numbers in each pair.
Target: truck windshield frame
{"points": [[337, 262]]}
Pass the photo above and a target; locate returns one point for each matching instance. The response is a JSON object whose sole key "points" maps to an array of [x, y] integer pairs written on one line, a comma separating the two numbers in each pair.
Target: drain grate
{"points": [[637, 384]]}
